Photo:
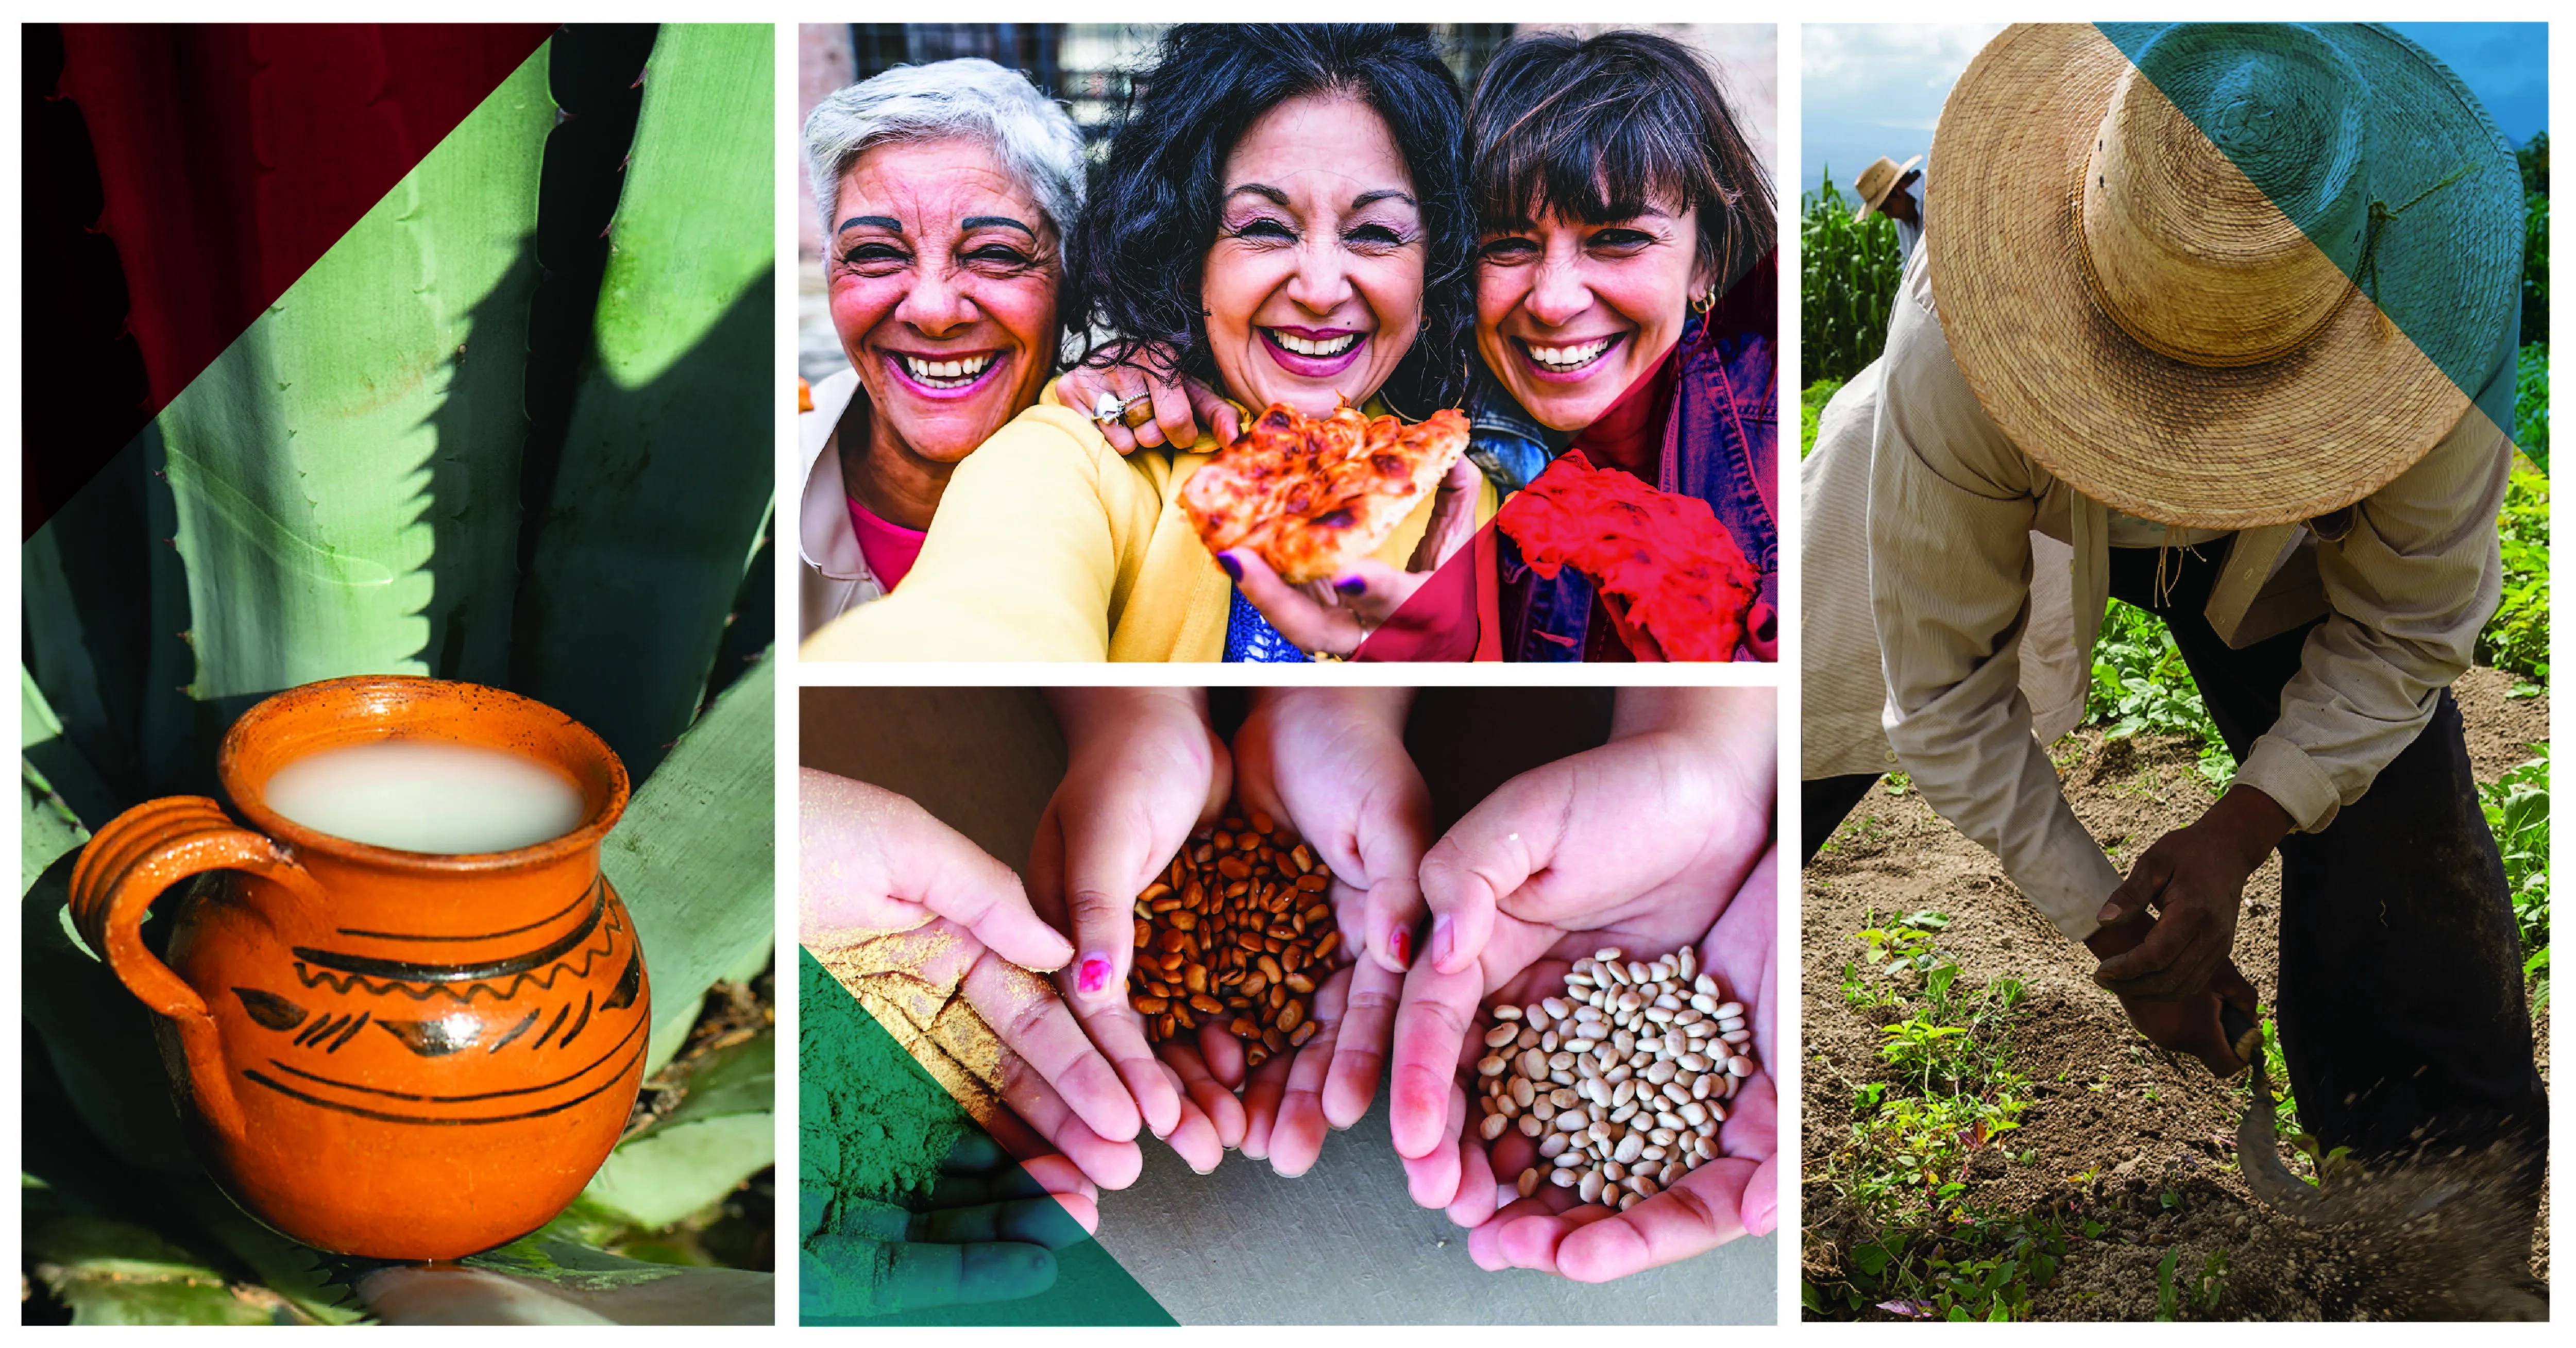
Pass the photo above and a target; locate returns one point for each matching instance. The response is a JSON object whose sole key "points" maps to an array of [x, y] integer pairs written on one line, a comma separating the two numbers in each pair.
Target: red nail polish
{"points": [[1402, 943], [1094, 975]]}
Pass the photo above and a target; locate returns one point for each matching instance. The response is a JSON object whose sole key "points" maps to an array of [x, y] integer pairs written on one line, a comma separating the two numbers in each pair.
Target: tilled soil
{"points": [[2124, 1134]]}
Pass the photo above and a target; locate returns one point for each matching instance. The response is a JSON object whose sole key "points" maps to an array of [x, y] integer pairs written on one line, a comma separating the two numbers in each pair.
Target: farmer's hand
{"points": [[1143, 770], [879, 873], [1180, 406], [1331, 763], [987, 1231], [1737, 1194], [2193, 878], [1334, 617], [1640, 843], [2181, 1025]]}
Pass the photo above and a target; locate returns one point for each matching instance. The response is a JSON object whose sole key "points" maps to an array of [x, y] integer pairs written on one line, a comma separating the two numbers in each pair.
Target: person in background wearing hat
{"points": [[2254, 377], [1895, 191]]}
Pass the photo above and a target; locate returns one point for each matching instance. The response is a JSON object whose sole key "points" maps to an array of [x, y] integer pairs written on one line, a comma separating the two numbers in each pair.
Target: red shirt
{"points": [[890, 549]]}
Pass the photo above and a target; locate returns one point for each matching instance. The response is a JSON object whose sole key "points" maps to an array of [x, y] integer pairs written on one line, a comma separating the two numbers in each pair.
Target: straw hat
{"points": [[1876, 181], [2149, 275]]}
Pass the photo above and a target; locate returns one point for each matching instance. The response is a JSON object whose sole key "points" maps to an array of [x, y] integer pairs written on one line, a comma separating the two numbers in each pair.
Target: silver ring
{"points": [[1107, 408]]}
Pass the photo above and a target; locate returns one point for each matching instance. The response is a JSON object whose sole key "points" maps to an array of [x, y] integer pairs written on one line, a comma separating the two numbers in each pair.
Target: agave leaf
{"points": [[96, 1035], [116, 1273], [48, 767], [345, 475], [693, 856], [666, 464], [721, 1135]]}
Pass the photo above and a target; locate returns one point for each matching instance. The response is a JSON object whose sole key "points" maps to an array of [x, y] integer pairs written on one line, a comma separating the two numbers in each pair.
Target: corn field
{"points": [[1849, 276]]}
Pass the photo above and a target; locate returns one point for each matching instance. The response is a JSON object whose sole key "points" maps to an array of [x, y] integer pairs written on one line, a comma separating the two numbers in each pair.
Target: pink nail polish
{"points": [[1094, 975]]}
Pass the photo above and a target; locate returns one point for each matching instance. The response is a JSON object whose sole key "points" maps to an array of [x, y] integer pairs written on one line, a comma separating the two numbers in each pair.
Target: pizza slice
{"points": [[1312, 495], [1674, 581]]}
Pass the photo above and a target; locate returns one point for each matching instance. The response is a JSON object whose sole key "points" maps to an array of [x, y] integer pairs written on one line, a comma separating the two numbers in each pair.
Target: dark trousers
{"points": [[2401, 1005]]}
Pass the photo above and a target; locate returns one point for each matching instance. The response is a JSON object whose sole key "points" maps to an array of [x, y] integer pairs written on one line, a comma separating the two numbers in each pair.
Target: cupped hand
{"points": [[1736, 1194], [1642, 844], [1181, 406], [987, 1231], [1331, 763], [1333, 617], [884, 887], [1143, 770]]}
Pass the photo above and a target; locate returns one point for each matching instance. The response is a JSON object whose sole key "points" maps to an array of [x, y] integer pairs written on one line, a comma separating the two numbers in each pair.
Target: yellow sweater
{"points": [[1050, 546]]}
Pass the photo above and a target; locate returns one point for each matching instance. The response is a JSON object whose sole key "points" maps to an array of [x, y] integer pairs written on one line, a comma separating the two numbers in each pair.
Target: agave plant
{"points": [[483, 439], [1849, 277]]}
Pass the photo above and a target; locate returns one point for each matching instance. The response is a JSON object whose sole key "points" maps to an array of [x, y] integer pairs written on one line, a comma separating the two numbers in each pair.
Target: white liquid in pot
{"points": [[421, 796]]}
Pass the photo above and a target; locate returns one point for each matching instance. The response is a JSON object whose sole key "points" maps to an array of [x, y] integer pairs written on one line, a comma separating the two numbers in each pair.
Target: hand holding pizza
{"points": [[1335, 617]]}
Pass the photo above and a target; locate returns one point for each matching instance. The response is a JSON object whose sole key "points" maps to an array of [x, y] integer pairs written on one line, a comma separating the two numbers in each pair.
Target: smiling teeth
{"points": [[1568, 357], [947, 373], [1332, 346]]}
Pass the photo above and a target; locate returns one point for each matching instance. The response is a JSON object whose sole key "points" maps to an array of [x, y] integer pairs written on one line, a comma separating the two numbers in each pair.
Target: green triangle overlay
{"points": [[872, 1126], [2483, 369]]}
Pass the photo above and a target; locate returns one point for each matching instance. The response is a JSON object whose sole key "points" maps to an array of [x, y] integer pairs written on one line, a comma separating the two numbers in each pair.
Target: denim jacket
{"points": [[1721, 444]]}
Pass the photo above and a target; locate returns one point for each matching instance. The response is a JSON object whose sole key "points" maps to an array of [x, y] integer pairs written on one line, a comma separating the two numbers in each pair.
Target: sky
{"points": [[1876, 89]]}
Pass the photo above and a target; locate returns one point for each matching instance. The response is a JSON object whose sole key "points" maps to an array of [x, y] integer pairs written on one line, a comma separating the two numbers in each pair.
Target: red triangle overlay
{"points": [[228, 159]]}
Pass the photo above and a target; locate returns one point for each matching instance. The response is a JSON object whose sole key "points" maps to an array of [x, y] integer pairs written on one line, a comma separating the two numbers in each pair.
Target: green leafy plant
{"points": [[2517, 813], [2141, 685], [2531, 403], [1811, 406], [1849, 277], [2516, 638], [1928, 1251]]}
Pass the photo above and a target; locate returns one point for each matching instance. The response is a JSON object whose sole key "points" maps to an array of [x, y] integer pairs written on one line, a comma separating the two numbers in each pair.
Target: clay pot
{"points": [[384, 1053]]}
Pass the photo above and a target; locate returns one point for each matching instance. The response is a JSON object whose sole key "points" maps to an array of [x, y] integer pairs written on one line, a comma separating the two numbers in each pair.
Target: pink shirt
{"points": [[889, 548]]}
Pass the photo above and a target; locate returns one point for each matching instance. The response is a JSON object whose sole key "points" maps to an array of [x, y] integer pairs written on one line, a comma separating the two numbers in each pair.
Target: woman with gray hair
{"points": [[945, 189]]}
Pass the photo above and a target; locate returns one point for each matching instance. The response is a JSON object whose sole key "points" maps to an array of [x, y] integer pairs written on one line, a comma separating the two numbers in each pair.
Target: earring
{"points": [[1701, 304]]}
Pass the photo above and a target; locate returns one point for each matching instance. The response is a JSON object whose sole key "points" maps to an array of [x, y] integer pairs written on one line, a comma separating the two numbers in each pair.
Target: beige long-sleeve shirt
{"points": [[1952, 509]]}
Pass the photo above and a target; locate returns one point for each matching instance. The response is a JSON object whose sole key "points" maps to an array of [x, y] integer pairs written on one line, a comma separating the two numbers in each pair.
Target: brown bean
{"points": [[1290, 1014], [1302, 1033], [1233, 867], [1253, 986], [1319, 912], [1152, 1006], [1315, 882], [1299, 984], [1185, 921], [1144, 933]]}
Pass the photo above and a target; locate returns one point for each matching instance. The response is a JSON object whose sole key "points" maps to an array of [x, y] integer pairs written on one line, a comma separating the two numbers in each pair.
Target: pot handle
{"points": [[124, 868]]}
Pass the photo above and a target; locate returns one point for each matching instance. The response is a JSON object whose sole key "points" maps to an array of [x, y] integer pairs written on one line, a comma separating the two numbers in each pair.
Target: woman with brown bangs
{"points": [[1626, 306]]}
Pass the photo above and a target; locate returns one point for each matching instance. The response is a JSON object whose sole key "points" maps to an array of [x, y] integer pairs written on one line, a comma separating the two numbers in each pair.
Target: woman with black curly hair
{"points": [[1625, 306], [1281, 215]]}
